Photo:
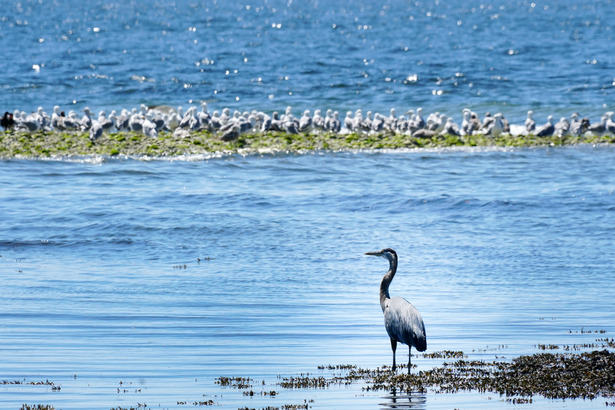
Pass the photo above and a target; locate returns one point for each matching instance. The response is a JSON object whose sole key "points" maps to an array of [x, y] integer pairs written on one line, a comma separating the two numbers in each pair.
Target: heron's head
{"points": [[387, 253]]}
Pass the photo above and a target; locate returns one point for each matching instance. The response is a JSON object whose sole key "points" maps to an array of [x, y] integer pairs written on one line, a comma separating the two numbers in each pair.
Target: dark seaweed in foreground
{"points": [[559, 376], [554, 376]]}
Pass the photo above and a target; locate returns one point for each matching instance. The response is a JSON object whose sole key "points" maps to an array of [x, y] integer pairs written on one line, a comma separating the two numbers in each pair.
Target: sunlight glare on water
{"points": [[344, 55]]}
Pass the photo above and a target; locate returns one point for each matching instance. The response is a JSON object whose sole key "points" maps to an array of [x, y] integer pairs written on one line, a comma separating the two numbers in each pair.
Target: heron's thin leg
{"points": [[409, 358], [394, 347]]}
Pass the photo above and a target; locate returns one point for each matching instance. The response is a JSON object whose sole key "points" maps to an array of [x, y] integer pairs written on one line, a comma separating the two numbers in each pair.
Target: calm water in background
{"points": [[133, 281], [554, 57], [102, 285]]}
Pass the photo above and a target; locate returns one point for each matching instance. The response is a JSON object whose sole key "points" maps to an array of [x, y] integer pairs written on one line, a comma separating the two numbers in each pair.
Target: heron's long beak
{"points": [[377, 253]]}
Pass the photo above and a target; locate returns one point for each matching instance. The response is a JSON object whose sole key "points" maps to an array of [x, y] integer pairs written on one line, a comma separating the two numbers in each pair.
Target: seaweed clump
{"points": [[559, 376], [552, 375], [36, 407]]}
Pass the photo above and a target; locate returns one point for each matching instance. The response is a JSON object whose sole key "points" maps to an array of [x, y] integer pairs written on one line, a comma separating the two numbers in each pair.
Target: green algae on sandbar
{"points": [[67, 144]]}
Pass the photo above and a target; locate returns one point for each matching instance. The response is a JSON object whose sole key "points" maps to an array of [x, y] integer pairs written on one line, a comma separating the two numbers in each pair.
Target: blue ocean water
{"points": [[128, 281], [554, 57], [131, 281]]}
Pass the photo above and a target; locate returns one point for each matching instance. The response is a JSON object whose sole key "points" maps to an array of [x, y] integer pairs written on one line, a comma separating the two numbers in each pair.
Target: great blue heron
{"points": [[402, 321]]}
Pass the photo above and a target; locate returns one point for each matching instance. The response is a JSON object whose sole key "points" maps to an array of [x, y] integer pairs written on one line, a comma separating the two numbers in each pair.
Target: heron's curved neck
{"points": [[386, 281]]}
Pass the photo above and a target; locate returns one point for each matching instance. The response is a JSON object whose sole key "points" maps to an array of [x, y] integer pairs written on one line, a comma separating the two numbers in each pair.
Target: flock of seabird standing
{"points": [[228, 127]]}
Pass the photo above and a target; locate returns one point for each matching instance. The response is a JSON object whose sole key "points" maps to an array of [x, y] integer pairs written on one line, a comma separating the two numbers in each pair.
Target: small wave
{"points": [[85, 159], [21, 244]]}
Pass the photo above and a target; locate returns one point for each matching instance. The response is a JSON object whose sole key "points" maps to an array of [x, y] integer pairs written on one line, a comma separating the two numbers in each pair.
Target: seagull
{"points": [[335, 124], [439, 123], [226, 116], [359, 123], [149, 128], [42, 118], [378, 123], [391, 120], [495, 127], [467, 125], [265, 122], [487, 120], [204, 116], [231, 134], [214, 122], [349, 122], [328, 117], [420, 122], [450, 128], [578, 125], [106, 122], [56, 119], [600, 128], [31, 123], [562, 128], [546, 130], [136, 122], [318, 121], [173, 120], [96, 130], [530, 123], [366, 125], [305, 123], [290, 126], [86, 121], [71, 122]]}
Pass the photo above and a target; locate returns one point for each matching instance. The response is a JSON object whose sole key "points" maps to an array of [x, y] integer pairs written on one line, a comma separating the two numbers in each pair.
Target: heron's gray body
{"points": [[404, 324]]}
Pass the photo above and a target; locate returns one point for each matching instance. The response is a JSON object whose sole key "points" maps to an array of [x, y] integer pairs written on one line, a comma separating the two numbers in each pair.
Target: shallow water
{"points": [[132, 281], [554, 57], [140, 281]]}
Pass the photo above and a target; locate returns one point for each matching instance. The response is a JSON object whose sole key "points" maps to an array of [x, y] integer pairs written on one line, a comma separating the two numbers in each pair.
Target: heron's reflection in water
{"points": [[405, 400]]}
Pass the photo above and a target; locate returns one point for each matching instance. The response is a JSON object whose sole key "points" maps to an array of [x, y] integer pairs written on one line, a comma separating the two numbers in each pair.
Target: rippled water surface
{"points": [[132, 281], [554, 57], [128, 281]]}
